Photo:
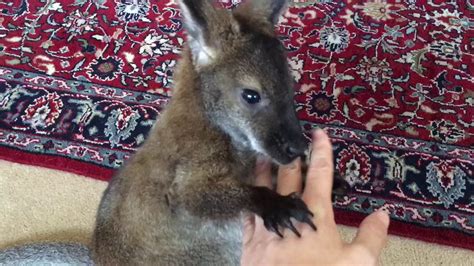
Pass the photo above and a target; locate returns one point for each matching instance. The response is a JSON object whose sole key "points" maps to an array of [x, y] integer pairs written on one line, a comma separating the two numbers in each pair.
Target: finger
{"points": [[289, 178], [317, 194], [372, 233], [263, 175], [249, 227]]}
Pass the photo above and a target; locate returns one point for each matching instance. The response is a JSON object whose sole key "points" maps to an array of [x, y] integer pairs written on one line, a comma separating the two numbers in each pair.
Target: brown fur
{"points": [[135, 207], [178, 200]]}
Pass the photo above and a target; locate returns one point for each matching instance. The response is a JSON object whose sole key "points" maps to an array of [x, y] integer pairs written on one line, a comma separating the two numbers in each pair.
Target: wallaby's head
{"points": [[243, 74]]}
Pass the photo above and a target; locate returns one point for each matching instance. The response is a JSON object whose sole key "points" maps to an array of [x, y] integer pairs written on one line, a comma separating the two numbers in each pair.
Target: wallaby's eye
{"points": [[250, 96]]}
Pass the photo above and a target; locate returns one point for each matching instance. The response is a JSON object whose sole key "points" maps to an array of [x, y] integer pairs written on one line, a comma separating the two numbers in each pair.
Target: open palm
{"points": [[323, 246]]}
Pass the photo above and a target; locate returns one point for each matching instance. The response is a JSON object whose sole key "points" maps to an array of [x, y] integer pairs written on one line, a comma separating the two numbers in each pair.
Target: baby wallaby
{"points": [[179, 199]]}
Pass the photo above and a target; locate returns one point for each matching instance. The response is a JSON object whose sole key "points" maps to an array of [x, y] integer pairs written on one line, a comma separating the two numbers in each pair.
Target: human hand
{"points": [[323, 246]]}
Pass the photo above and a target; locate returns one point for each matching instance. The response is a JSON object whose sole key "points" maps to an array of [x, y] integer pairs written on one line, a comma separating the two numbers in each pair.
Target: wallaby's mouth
{"points": [[282, 147], [289, 154], [285, 150]]}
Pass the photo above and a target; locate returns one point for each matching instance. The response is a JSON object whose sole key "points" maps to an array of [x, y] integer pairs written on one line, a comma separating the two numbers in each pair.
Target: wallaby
{"points": [[179, 199]]}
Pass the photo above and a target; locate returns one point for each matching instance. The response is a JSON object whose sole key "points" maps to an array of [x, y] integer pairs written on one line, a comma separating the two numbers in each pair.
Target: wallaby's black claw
{"points": [[272, 226], [277, 232], [311, 224], [277, 210], [288, 224]]}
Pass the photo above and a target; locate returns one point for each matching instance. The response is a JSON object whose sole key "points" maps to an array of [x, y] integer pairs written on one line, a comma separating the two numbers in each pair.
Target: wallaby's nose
{"points": [[296, 149], [293, 152], [294, 142]]}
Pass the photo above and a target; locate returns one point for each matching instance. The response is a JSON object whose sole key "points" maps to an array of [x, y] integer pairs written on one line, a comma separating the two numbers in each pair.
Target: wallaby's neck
{"points": [[187, 84]]}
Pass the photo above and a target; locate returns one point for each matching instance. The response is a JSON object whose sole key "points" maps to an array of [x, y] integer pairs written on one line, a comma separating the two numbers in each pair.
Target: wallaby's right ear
{"points": [[194, 13]]}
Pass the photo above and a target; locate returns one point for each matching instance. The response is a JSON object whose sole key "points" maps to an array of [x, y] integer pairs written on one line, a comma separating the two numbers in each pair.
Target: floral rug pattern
{"points": [[390, 80]]}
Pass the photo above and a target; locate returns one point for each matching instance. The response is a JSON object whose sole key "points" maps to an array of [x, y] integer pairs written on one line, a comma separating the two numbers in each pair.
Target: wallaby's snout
{"points": [[293, 149], [297, 143], [296, 147], [288, 142]]}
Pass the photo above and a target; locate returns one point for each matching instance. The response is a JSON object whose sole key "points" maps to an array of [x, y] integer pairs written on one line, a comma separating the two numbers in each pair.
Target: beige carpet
{"points": [[39, 204]]}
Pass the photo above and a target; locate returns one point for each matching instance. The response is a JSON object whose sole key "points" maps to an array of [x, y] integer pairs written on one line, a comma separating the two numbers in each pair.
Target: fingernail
{"points": [[383, 216], [318, 133], [295, 164]]}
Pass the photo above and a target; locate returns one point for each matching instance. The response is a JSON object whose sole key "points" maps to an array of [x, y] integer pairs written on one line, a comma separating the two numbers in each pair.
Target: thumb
{"points": [[372, 232]]}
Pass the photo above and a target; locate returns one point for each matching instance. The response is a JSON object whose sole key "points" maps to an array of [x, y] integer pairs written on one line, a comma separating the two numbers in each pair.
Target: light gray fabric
{"points": [[46, 254]]}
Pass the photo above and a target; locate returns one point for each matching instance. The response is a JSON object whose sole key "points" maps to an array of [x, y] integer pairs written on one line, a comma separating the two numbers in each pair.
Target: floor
{"points": [[39, 204]]}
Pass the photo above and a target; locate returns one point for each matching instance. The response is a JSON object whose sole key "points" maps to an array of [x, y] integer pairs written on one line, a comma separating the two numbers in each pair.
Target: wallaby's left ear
{"points": [[195, 16], [271, 10], [275, 9]]}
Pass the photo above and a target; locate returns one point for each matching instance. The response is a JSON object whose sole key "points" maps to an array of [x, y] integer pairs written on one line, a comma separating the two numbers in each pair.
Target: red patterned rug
{"points": [[81, 83]]}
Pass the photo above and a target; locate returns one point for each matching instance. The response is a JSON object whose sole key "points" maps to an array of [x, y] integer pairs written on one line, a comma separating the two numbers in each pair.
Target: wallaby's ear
{"points": [[194, 13], [271, 10]]}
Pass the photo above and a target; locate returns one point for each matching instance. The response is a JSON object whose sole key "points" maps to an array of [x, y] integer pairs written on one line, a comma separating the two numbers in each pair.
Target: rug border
{"points": [[56, 162], [344, 217]]}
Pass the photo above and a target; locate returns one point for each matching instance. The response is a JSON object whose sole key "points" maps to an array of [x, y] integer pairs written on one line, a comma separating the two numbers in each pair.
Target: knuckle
{"points": [[320, 164], [287, 171], [323, 163], [291, 167], [322, 146]]}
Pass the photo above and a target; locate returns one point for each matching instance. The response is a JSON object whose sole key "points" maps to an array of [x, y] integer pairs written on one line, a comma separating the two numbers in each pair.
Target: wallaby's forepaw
{"points": [[280, 209]]}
